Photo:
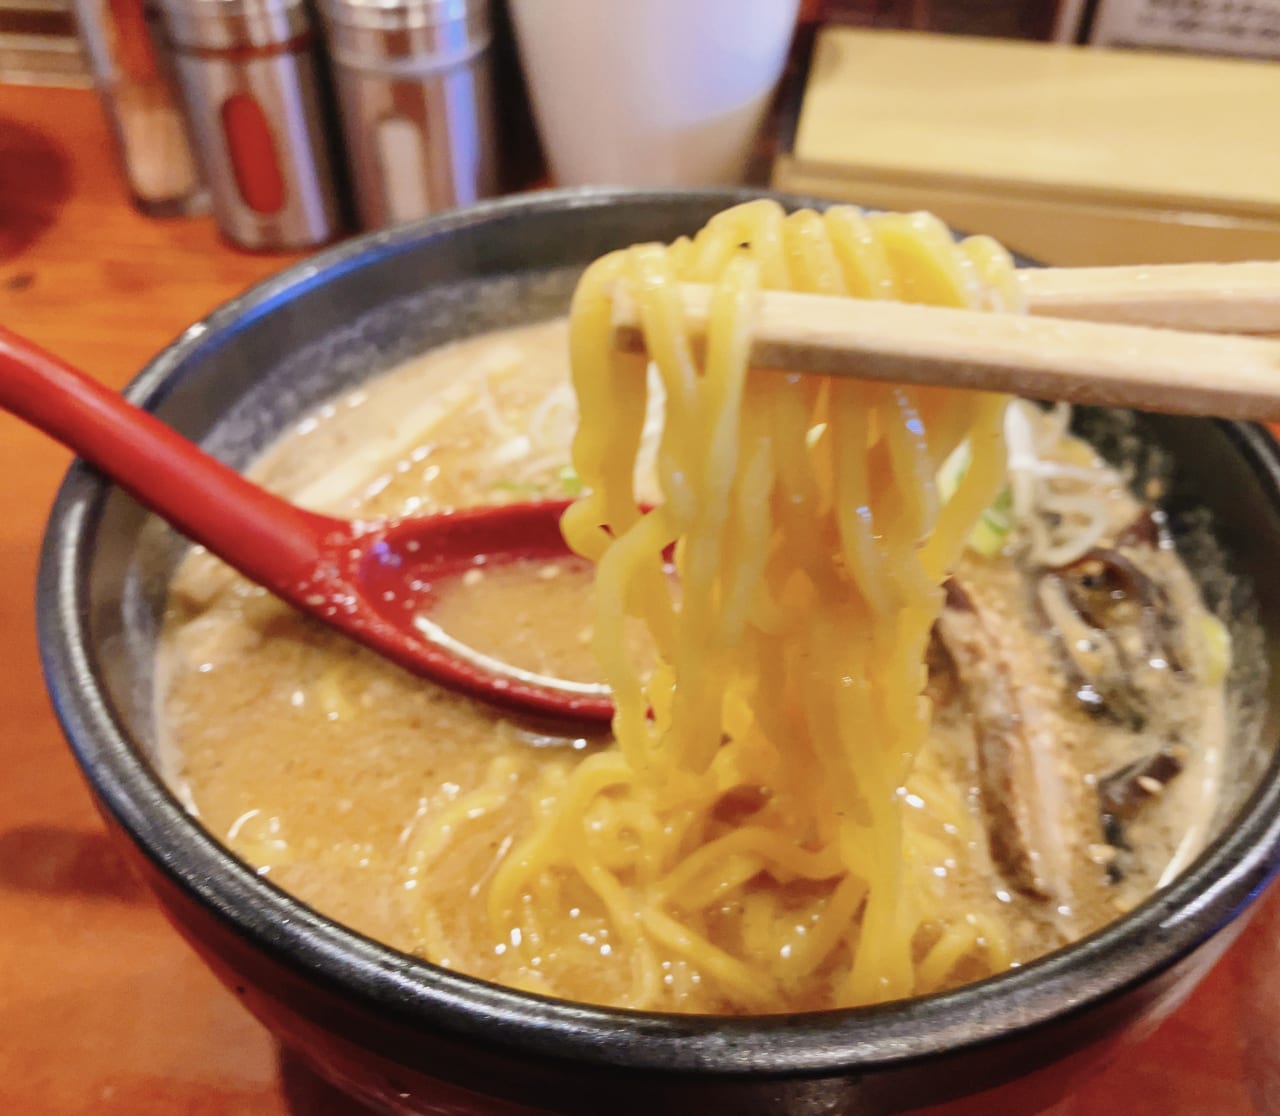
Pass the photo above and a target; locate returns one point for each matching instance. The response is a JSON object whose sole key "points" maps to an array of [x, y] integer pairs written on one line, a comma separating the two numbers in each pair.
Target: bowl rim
{"points": [[1135, 948]]}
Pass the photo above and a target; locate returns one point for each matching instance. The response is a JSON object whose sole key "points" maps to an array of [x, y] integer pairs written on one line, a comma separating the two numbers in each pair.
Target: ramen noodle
{"points": [[909, 687]]}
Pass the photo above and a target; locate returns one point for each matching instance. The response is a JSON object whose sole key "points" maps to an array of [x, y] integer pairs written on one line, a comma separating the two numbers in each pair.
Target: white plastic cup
{"points": [[651, 92]]}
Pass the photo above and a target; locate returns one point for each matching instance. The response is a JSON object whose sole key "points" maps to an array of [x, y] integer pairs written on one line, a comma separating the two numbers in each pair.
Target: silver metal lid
{"points": [[234, 24], [405, 15], [412, 38]]}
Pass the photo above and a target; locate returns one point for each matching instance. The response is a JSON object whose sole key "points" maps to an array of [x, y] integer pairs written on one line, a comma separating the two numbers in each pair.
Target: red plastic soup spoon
{"points": [[370, 580]]}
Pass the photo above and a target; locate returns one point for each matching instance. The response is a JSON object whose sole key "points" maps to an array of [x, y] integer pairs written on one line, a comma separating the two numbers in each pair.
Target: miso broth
{"points": [[339, 775]]}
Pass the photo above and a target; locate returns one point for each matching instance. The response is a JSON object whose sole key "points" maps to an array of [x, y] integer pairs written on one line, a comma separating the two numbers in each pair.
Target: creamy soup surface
{"points": [[361, 790]]}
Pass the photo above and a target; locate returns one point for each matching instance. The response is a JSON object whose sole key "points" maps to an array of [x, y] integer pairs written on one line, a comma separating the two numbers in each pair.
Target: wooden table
{"points": [[102, 1008]]}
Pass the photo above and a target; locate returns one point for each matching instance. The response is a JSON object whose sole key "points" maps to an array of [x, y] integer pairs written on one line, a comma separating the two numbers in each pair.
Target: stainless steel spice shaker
{"points": [[134, 75], [414, 91], [251, 87]]}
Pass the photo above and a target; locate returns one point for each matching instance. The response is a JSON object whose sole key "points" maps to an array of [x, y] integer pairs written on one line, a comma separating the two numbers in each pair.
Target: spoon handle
{"points": [[266, 538]]}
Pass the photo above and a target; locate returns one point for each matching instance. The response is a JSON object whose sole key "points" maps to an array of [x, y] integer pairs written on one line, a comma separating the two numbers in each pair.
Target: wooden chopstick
{"points": [[1049, 358], [1208, 297]]}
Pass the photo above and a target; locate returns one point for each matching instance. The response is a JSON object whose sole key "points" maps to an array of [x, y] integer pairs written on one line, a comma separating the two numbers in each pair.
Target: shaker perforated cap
{"points": [[397, 15], [234, 24], [420, 35]]}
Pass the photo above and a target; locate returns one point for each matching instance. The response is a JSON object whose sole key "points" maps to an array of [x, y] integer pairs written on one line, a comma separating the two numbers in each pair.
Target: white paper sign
{"points": [[1240, 27]]}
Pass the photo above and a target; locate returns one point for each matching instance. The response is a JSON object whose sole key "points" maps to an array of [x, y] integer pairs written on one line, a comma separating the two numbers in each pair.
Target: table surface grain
{"points": [[102, 1008]]}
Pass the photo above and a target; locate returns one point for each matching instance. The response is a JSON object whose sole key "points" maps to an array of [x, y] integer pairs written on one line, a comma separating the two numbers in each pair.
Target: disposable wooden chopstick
{"points": [[1209, 297], [1080, 362]]}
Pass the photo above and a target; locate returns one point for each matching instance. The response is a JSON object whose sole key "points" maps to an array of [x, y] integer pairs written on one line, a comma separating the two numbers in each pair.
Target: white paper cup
{"points": [[651, 92]]}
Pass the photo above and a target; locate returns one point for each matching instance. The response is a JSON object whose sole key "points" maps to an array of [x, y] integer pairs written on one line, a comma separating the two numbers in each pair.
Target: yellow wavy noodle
{"points": [[744, 842]]}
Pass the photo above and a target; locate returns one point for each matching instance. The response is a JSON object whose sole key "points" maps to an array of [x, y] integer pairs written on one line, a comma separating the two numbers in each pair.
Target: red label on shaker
{"points": [[254, 160]]}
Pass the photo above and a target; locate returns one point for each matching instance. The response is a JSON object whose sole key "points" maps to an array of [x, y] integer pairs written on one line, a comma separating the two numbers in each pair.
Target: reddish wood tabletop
{"points": [[102, 1008]]}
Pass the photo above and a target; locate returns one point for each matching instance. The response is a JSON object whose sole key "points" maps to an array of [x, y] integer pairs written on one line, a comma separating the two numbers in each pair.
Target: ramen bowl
{"points": [[408, 1037]]}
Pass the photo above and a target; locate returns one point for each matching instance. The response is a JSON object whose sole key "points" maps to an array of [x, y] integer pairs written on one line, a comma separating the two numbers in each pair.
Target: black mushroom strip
{"points": [[1115, 630], [1024, 798], [1123, 793]]}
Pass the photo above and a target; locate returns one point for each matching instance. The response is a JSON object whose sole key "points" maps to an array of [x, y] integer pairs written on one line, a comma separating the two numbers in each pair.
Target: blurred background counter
{"points": [[1072, 156], [300, 121]]}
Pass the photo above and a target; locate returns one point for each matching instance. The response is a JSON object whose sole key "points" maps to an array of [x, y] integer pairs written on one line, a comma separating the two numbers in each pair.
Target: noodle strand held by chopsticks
{"points": [[747, 827]]}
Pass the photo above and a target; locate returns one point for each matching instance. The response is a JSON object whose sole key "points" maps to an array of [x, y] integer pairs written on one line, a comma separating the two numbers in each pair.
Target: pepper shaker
{"points": [[249, 78], [134, 77], [414, 92]]}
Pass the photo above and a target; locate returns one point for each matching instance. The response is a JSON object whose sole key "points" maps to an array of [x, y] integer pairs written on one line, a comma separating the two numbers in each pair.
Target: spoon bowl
{"points": [[374, 581], [397, 570]]}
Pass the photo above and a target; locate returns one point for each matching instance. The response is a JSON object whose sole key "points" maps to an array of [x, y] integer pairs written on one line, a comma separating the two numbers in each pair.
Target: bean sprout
{"points": [[1062, 506]]}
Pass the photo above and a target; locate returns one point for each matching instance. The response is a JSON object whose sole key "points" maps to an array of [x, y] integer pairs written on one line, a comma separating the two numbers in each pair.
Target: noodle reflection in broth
{"points": [[842, 771]]}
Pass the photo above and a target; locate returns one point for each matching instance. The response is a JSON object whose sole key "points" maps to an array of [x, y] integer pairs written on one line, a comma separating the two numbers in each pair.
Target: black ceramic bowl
{"points": [[414, 1038]]}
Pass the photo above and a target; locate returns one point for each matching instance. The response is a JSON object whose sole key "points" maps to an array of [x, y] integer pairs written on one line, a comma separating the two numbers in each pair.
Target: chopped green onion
{"points": [[570, 482], [1217, 649], [952, 471], [992, 529], [516, 488]]}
